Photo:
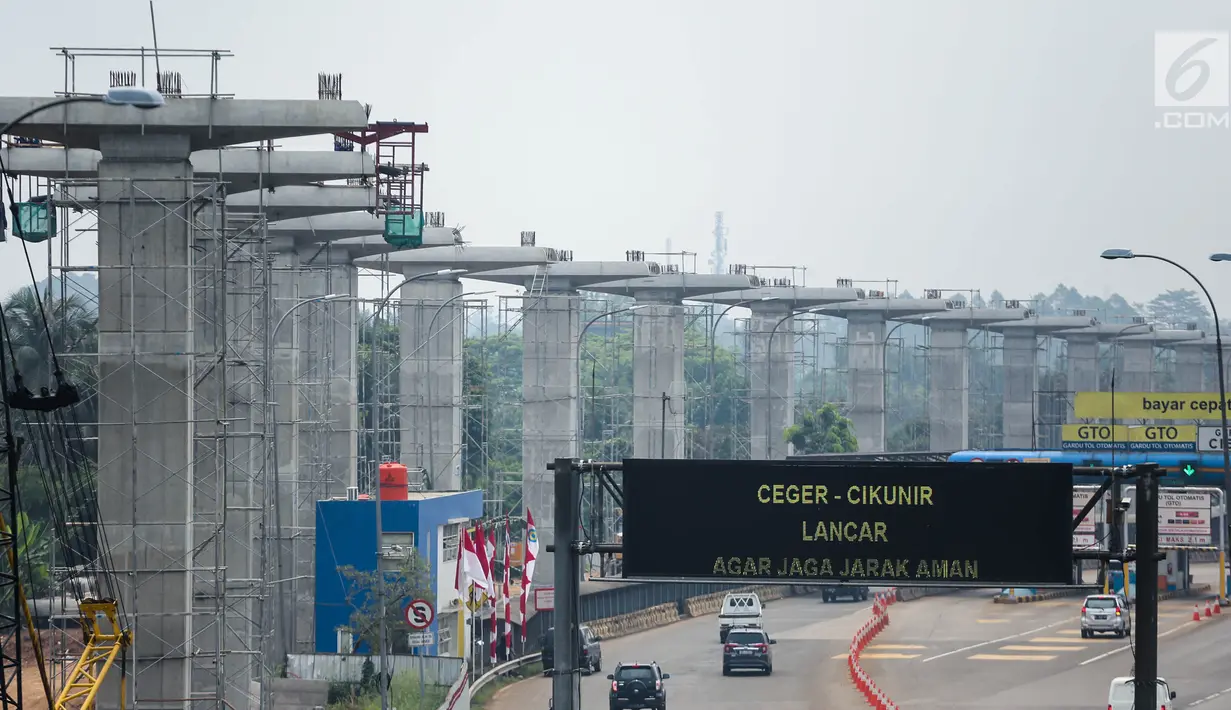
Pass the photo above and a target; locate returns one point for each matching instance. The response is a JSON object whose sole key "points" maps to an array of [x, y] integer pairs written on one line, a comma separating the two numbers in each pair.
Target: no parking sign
{"points": [[420, 614]]}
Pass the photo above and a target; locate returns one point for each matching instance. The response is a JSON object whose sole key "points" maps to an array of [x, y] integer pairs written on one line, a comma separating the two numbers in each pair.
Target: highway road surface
{"points": [[809, 634], [963, 651]]}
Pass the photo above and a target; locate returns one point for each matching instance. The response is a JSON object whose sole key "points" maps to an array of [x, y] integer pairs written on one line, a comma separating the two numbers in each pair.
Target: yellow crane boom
{"points": [[107, 638]]}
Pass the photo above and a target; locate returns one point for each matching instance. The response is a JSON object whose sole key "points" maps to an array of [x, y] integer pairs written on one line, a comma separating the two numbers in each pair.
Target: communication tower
{"points": [[719, 256]]}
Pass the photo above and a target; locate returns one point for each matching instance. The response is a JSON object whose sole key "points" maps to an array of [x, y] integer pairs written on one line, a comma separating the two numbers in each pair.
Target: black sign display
{"points": [[911, 524]]}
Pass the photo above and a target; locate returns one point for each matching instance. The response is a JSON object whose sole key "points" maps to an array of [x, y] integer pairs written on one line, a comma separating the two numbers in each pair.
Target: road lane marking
{"points": [[1042, 648], [888, 656], [995, 641], [1008, 657], [895, 646], [1208, 698], [1126, 646], [1061, 639], [992, 621]]}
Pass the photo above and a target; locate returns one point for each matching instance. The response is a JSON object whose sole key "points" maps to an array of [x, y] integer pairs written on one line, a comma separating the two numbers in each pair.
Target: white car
{"points": [[739, 609], [1120, 695]]}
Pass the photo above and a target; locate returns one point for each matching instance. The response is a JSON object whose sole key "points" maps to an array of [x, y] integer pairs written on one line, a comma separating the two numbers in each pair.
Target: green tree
{"points": [[410, 579], [823, 431], [911, 435], [1178, 308]]}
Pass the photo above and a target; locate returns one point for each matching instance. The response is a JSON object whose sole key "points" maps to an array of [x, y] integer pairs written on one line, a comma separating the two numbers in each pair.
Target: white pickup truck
{"points": [[1121, 694], [738, 609]]}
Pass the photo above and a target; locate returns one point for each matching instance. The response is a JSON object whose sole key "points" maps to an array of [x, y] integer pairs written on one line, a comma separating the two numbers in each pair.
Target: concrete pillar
{"points": [[550, 329], [284, 376], [949, 398], [1020, 356], [1190, 369], [658, 374], [771, 380], [146, 412], [865, 336], [430, 379], [1136, 366], [1083, 369]]}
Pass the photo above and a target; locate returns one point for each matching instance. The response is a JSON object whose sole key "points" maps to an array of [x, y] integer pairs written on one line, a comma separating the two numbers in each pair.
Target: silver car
{"points": [[1105, 613]]}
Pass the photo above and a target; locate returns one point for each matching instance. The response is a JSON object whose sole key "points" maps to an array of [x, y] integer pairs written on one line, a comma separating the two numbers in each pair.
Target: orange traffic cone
{"points": [[1208, 611], [1196, 613], [1217, 607]]}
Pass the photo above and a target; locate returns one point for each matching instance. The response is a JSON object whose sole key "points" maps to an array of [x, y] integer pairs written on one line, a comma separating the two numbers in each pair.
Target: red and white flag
{"points": [[508, 604], [470, 567], [495, 593], [527, 567]]}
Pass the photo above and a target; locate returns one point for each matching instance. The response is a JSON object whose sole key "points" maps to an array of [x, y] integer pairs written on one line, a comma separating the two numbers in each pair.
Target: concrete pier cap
{"points": [[290, 202], [1042, 325], [782, 298], [1205, 342], [471, 258], [967, 317], [572, 275], [1163, 338], [358, 231], [300, 201], [676, 287], [886, 308], [207, 123], [242, 169], [1105, 331]]}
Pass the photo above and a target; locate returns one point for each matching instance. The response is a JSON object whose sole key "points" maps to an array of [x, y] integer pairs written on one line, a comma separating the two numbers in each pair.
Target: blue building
{"points": [[428, 521]]}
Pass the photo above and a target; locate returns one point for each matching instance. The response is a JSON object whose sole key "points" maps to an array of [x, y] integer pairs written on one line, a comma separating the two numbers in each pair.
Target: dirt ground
{"points": [[33, 696]]}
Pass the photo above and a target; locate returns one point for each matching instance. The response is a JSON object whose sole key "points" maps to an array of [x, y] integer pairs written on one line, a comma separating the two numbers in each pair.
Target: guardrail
{"points": [[503, 669]]}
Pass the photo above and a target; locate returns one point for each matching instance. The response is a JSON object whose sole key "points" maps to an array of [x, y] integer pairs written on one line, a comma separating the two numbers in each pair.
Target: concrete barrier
{"points": [[651, 618], [908, 594], [712, 603], [299, 694], [1037, 597], [1195, 590], [664, 614]]}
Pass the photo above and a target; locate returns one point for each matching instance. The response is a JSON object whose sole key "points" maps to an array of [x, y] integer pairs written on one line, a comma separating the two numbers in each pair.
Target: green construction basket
{"points": [[404, 230], [36, 221]]}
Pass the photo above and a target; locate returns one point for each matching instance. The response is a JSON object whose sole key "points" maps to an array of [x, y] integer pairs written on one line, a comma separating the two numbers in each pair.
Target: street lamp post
{"points": [[134, 96], [376, 350], [709, 435], [580, 339], [431, 420], [769, 378], [286, 622], [1222, 391], [885, 380]]}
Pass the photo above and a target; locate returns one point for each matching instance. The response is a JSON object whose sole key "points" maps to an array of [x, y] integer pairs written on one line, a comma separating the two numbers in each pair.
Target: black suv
{"points": [[638, 685], [747, 648], [857, 594], [590, 658]]}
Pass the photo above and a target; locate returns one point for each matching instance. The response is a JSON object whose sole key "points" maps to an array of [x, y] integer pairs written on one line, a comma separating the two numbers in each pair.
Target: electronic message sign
{"points": [[916, 524]]}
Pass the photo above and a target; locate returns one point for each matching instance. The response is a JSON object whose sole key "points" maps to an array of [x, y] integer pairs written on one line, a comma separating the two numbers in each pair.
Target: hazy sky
{"points": [[947, 144]]}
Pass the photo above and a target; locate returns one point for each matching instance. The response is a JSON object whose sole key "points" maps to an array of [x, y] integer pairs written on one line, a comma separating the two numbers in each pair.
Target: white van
{"points": [[738, 609], [1120, 695]]}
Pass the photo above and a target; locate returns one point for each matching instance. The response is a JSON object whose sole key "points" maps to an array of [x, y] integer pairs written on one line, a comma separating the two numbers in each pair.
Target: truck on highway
{"points": [[856, 594], [1121, 694], [739, 609]]}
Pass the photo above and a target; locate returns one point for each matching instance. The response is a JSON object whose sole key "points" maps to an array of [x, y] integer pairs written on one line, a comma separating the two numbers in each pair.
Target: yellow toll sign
{"points": [[1147, 405]]}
